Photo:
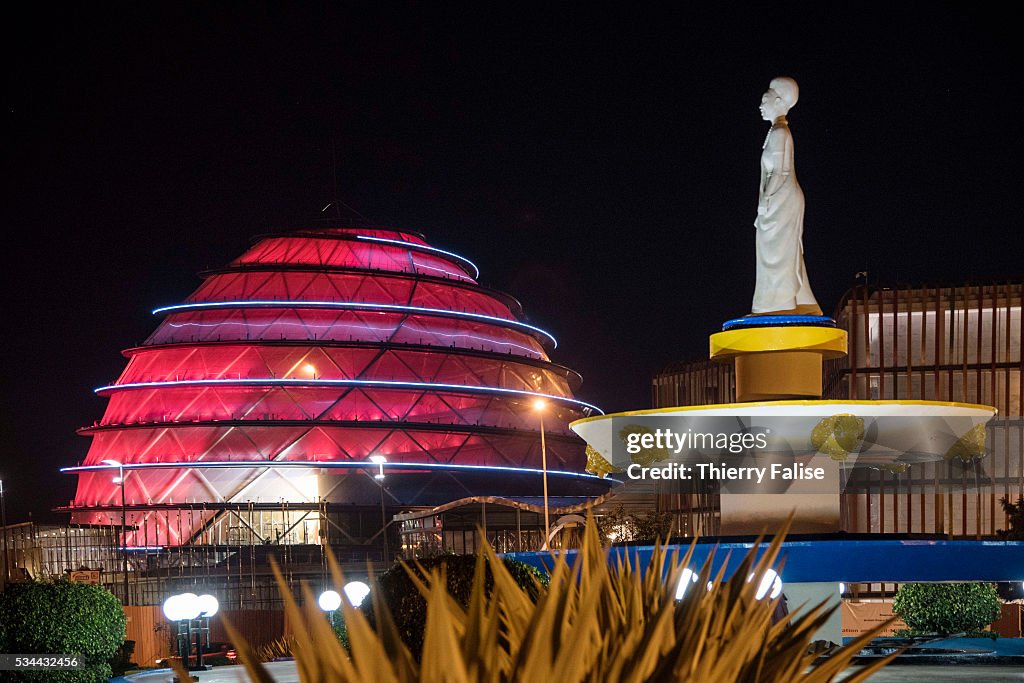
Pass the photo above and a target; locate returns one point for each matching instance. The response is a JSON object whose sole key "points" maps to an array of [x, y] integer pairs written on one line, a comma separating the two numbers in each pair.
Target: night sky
{"points": [[601, 167]]}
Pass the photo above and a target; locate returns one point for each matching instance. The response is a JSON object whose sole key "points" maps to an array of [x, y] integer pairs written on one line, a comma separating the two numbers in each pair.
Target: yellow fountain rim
{"points": [[816, 402]]}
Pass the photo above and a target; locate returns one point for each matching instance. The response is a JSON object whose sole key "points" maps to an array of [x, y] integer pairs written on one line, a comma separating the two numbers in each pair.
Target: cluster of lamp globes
{"points": [[355, 591], [189, 606], [770, 585]]}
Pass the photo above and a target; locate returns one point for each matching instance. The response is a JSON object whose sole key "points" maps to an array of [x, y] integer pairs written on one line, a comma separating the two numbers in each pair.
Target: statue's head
{"points": [[780, 97]]}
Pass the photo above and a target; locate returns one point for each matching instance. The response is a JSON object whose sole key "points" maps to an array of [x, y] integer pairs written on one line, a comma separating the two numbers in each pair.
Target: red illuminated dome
{"points": [[286, 370]]}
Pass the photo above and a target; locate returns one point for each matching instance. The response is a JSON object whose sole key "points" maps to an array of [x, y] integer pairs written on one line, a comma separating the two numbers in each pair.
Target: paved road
{"points": [[948, 674]]}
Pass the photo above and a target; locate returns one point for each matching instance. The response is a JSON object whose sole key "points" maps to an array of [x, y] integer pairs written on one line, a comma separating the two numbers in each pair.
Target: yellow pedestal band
{"points": [[830, 342]]}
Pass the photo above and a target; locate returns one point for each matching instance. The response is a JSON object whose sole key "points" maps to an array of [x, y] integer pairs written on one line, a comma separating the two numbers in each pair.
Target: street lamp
{"points": [[540, 405], [329, 601], [686, 578], [771, 585], [379, 460], [124, 531], [183, 609], [356, 592]]}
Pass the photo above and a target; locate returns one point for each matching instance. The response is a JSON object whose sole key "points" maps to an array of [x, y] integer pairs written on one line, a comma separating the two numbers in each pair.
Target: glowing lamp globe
{"points": [[208, 605], [170, 608], [685, 579], [329, 601], [771, 585], [189, 605], [183, 607], [356, 592]]}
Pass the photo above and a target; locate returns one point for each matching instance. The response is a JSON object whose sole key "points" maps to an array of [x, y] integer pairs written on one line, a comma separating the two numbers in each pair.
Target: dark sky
{"points": [[600, 165]]}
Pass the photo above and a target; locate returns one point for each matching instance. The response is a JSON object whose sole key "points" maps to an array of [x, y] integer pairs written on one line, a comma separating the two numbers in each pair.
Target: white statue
{"points": [[782, 285]]}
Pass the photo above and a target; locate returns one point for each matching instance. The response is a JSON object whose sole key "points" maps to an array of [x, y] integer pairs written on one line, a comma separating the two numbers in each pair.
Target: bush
{"points": [[946, 608], [62, 618], [619, 526], [338, 623], [409, 608]]}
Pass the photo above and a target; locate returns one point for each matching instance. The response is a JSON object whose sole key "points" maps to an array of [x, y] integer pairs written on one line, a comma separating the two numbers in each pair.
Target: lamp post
{"points": [[124, 529], [379, 460], [540, 405], [3, 521], [329, 601], [183, 609], [208, 606]]}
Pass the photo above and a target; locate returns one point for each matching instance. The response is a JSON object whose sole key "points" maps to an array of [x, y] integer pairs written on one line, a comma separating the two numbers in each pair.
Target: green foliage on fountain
{"points": [[947, 608]]}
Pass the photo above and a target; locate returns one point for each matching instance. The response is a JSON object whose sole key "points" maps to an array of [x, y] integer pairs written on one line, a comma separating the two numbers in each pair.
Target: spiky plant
{"points": [[595, 622], [275, 649]]}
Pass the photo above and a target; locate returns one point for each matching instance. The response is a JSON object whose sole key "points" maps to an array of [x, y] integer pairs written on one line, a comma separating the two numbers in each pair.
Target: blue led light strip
{"points": [[328, 464], [461, 260], [360, 306], [372, 383], [779, 320]]}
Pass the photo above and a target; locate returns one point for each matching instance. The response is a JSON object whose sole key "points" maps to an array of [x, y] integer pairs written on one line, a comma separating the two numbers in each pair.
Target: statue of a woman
{"points": [[782, 285]]}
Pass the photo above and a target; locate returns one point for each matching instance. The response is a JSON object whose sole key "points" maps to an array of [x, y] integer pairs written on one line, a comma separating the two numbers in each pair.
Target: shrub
{"points": [[619, 526], [946, 608], [62, 618], [1015, 515], [408, 607], [340, 630], [275, 649], [595, 621]]}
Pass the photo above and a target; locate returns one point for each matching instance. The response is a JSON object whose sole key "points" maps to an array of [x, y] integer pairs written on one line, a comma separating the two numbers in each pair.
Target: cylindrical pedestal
{"points": [[775, 363], [778, 375]]}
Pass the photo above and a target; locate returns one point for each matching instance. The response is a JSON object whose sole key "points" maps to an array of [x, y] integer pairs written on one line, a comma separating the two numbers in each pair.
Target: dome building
{"points": [[323, 379]]}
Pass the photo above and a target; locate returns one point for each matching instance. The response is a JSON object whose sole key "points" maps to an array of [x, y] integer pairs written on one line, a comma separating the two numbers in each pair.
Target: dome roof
{"points": [[311, 352]]}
